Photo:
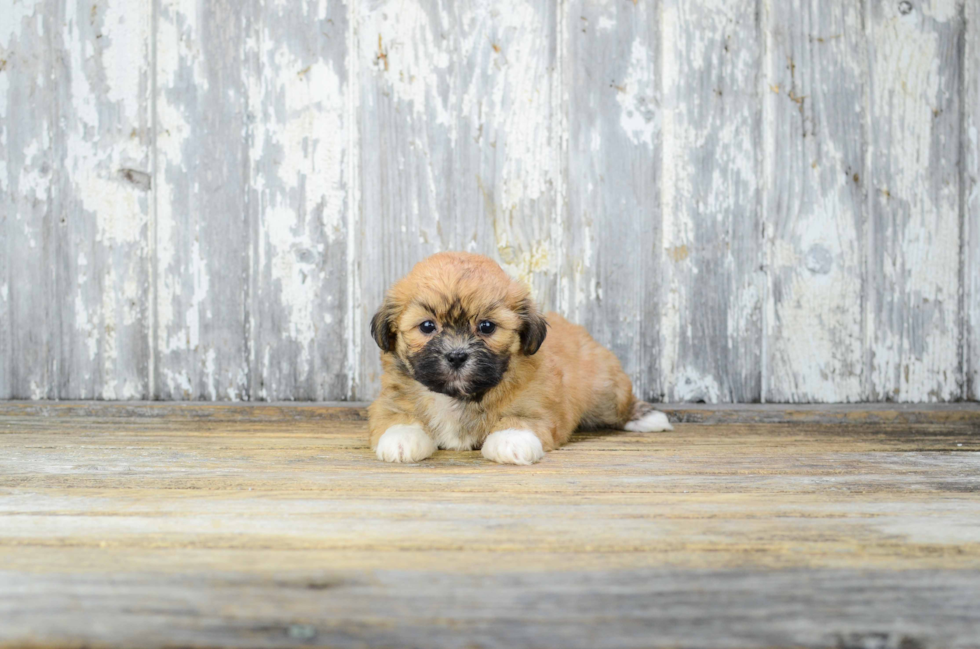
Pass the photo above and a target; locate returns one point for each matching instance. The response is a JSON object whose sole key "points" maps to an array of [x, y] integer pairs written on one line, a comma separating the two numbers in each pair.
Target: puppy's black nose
{"points": [[457, 357]]}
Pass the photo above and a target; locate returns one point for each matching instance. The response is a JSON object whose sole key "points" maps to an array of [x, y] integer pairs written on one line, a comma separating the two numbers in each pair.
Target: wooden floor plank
{"points": [[147, 525]]}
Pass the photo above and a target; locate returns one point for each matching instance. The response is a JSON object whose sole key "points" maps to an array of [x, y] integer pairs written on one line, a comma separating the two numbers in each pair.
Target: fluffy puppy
{"points": [[470, 363]]}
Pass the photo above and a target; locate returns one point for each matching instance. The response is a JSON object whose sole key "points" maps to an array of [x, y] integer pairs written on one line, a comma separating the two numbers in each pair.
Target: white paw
{"points": [[513, 446], [405, 443], [652, 422]]}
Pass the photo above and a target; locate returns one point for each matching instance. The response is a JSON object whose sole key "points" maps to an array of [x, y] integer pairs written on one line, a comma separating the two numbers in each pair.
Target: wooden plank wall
{"points": [[748, 201]]}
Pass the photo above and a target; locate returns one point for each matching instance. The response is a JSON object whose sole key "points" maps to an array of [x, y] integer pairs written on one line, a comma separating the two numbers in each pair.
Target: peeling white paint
{"points": [[605, 23], [208, 369], [109, 334], [189, 337], [299, 139], [178, 383], [521, 265], [513, 103], [971, 221], [674, 228], [689, 385], [814, 329], [176, 31], [709, 200], [640, 117], [923, 267], [940, 10], [86, 329], [405, 44], [13, 19], [124, 33], [312, 134], [355, 306]]}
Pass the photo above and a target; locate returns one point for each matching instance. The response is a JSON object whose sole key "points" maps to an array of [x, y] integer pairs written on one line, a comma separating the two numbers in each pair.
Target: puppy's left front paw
{"points": [[513, 446]]}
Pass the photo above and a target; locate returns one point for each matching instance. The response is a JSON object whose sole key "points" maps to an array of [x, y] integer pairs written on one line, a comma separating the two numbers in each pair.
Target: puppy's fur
{"points": [[520, 384]]}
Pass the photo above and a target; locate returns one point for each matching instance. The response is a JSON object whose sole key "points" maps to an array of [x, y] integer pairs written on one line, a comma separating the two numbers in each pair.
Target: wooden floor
{"points": [[153, 525]]}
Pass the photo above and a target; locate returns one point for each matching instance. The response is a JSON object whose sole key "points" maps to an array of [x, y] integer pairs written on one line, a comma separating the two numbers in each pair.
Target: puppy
{"points": [[470, 363]]}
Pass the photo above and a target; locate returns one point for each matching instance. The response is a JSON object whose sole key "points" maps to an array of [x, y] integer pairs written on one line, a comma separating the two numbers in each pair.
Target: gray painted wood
{"points": [[970, 237], [76, 115], [298, 199], [206, 200], [610, 279], [913, 248], [28, 319], [711, 330], [815, 201], [201, 232], [102, 259]]}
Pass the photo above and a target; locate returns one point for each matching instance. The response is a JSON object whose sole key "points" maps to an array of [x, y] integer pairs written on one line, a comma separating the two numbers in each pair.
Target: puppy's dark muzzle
{"points": [[458, 366], [457, 358]]}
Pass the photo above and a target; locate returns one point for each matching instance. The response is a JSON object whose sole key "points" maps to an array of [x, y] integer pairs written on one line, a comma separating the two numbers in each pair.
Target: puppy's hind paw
{"points": [[513, 446], [653, 421], [405, 443]]}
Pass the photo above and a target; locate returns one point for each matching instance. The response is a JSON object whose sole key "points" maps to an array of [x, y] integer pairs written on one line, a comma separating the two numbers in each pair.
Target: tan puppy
{"points": [[470, 363]]}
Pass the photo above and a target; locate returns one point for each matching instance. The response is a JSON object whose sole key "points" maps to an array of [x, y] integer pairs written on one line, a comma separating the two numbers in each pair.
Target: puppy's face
{"points": [[456, 323]]}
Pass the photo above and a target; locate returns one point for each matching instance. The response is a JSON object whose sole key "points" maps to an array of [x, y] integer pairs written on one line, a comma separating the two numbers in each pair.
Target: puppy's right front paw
{"points": [[405, 443]]}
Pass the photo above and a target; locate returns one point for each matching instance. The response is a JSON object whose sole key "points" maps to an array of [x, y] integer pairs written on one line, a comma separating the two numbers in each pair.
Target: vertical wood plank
{"points": [[913, 254], [458, 145], [612, 233], [970, 241], [201, 228], [506, 140], [77, 79], [714, 285], [815, 201], [106, 193], [29, 171], [298, 142], [405, 61]]}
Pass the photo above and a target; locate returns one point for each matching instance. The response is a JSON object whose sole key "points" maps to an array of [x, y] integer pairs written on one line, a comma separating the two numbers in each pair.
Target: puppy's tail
{"points": [[647, 419]]}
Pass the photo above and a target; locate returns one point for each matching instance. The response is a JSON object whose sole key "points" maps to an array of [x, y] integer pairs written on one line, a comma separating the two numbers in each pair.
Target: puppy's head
{"points": [[456, 323]]}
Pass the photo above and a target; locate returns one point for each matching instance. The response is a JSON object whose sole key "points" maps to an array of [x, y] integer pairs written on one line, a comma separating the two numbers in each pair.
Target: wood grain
{"points": [[711, 330], [815, 208], [610, 280], [31, 345], [202, 261], [180, 529], [101, 261], [914, 199], [74, 185], [970, 231], [299, 129]]}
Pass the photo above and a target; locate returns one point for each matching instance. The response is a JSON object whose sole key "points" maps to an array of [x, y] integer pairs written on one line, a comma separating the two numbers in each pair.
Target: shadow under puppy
{"points": [[470, 363]]}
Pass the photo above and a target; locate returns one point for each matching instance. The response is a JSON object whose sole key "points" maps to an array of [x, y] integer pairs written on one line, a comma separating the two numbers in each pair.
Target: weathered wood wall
{"points": [[748, 200]]}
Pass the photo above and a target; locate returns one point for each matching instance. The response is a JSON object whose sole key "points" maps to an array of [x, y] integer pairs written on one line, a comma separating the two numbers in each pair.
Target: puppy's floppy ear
{"points": [[383, 326], [533, 327]]}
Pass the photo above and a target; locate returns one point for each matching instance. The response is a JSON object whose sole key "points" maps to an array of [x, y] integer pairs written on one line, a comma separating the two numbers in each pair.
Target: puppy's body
{"points": [[516, 383]]}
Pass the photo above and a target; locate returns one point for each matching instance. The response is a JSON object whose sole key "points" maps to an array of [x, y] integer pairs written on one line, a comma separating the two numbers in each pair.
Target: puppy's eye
{"points": [[487, 327], [427, 327]]}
